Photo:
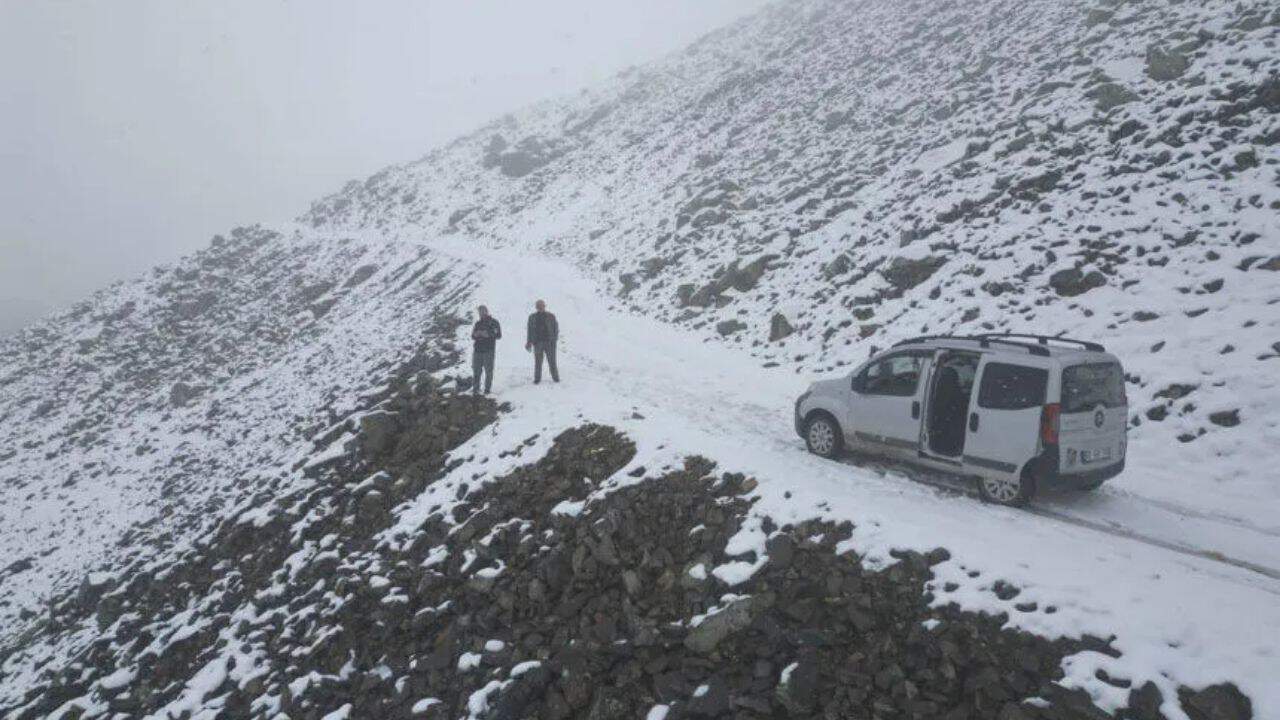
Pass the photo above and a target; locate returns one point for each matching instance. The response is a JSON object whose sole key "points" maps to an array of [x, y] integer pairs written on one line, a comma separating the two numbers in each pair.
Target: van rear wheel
{"points": [[1013, 492], [822, 436]]}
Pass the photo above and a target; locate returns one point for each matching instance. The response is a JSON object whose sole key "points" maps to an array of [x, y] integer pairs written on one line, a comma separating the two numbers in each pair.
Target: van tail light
{"points": [[1049, 423]]}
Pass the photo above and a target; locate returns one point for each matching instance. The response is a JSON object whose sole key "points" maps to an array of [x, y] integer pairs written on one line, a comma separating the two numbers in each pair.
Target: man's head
{"points": [[540, 305], [484, 311]]}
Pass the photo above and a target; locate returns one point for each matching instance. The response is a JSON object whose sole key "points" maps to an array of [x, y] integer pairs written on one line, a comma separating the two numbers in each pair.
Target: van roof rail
{"points": [[1046, 339], [983, 341]]}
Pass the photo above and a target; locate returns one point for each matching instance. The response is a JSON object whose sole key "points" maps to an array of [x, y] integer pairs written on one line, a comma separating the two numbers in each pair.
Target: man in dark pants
{"points": [[485, 335], [543, 333]]}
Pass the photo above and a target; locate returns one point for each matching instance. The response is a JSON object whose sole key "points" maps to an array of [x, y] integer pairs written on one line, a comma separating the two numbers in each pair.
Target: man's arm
{"points": [[554, 328], [529, 335], [497, 330]]}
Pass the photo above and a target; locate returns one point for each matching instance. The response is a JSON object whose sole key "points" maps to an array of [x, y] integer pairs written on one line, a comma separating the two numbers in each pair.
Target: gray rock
{"points": [[1111, 95], [797, 687], [704, 638], [379, 432], [1216, 702], [181, 394], [779, 328], [1165, 66], [1072, 281], [729, 327]]}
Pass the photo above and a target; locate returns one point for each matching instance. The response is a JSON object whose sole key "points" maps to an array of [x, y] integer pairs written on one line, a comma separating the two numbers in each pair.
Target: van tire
{"points": [[822, 435], [1003, 492]]}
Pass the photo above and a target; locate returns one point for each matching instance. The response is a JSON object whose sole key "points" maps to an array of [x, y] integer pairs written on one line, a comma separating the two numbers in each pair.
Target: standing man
{"points": [[485, 335], [543, 333]]}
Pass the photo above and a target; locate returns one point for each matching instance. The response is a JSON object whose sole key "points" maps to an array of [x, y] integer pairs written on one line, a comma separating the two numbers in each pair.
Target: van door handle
{"points": [[915, 409], [973, 422]]}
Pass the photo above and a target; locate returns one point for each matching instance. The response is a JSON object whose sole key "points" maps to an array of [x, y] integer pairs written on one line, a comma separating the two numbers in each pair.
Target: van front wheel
{"points": [[822, 436], [1014, 492]]}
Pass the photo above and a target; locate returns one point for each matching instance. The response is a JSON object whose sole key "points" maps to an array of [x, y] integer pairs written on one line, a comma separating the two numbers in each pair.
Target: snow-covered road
{"points": [[1177, 613]]}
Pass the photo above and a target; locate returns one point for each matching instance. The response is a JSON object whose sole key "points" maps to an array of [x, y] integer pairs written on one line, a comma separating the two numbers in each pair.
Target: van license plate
{"points": [[1095, 455]]}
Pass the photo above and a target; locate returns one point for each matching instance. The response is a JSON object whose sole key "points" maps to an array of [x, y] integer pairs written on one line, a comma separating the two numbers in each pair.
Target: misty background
{"points": [[131, 132]]}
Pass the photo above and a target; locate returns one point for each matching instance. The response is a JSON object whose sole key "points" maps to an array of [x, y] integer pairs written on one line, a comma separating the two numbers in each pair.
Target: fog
{"points": [[130, 132]]}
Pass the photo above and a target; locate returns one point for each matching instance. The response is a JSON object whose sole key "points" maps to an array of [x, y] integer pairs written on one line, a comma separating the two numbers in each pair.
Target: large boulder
{"points": [[779, 328], [1073, 281]]}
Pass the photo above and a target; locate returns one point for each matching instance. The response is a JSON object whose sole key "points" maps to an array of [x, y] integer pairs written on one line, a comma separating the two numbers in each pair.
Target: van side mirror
{"points": [[857, 383]]}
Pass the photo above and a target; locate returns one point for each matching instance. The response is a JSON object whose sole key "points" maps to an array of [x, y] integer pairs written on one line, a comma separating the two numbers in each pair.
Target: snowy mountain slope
{"points": [[829, 177], [424, 603], [230, 492], [147, 413]]}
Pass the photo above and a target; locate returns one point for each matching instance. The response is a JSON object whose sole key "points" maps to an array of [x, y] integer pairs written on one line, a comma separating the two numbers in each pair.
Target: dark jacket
{"points": [[485, 334], [543, 329]]}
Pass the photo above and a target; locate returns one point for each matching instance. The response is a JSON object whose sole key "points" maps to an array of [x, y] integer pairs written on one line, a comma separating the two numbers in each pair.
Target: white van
{"points": [[1015, 411]]}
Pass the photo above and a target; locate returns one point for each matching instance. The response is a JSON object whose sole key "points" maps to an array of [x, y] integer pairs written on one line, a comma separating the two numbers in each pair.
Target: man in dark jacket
{"points": [[543, 333], [485, 335]]}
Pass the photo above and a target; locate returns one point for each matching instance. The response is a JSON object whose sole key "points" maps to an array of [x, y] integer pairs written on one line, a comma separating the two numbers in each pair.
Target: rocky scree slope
{"points": [[827, 177], [529, 598], [142, 416]]}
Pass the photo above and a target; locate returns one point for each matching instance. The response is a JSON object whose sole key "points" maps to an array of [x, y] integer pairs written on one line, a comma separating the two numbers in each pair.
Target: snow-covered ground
{"points": [[1177, 618]]}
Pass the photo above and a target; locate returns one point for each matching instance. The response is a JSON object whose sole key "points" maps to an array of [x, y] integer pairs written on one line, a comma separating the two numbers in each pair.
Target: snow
{"points": [[468, 661], [571, 508], [701, 690], [658, 712], [524, 667], [785, 677], [494, 646], [341, 713], [424, 705]]}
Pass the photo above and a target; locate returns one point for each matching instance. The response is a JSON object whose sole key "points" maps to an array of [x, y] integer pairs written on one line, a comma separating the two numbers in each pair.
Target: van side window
{"points": [[898, 375], [1012, 387]]}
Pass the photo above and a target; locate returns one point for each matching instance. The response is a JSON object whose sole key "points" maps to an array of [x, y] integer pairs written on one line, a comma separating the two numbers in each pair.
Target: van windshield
{"points": [[1087, 386]]}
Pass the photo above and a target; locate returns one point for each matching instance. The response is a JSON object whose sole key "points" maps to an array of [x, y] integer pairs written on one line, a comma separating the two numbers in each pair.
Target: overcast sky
{"points": [[131, 132]]}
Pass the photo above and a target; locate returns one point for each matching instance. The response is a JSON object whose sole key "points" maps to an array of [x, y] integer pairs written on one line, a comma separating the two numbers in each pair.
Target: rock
{"points": [[704, 638], [904, 274], [1097, 16], [797, 687], [742, 279], [710, 699], [523, 692], [779, 328], [837, 267], [608, 705], [781, 549], [518, 164], [1072, 281], [1165, 66], [1225, 418], [362, 273], [181, 394], [379, 431], [1110, 95], [1216, 702], [1145, 702], [729, 327]]}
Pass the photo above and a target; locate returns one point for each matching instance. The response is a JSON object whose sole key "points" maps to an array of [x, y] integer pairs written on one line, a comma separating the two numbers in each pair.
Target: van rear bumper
{"points": [[1049, 474]]}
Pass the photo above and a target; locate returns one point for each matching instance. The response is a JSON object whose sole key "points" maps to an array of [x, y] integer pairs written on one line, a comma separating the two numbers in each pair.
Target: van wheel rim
{"points": [[1001, 490], [821, 437]]}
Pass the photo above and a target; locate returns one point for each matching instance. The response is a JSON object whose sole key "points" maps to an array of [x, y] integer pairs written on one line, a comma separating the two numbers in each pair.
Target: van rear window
{"points": [[1085, 387], [1012, 387]]}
